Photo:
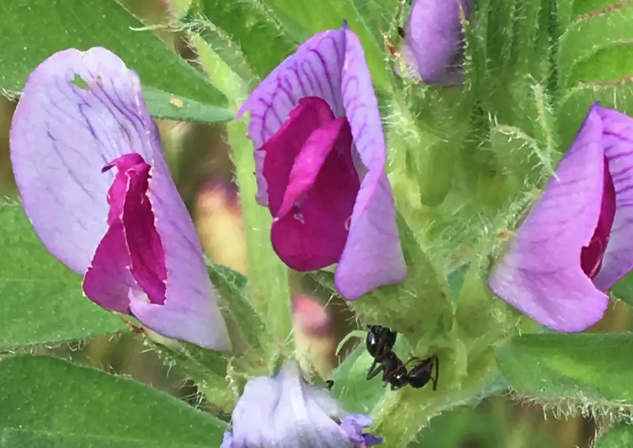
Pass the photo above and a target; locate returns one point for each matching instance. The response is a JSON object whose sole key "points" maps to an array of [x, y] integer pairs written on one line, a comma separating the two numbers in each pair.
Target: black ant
{"points": [[380, 341]]}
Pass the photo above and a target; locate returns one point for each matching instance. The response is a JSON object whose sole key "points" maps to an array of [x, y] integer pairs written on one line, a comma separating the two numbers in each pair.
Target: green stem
{"points": [[267, 275], [400, 416]]}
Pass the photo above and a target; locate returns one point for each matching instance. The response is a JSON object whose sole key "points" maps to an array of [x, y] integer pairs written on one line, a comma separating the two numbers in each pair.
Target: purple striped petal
{"points": [[540, 274], [617, 141], [331, 65], [432, 49], [79, 112], [372, 256], [313, 71]]}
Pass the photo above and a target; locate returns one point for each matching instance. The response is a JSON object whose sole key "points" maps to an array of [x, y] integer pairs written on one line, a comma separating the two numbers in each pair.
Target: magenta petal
{"points": [[372, 256], [108, 281], [62, 134], [313, 160], [144, 242], [283, 148], [433, 40], [311, 230], [540, 274], [618, 147]]}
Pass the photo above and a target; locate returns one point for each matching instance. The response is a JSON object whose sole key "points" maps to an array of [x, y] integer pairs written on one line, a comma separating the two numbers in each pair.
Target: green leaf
{"points": [[591, 368], [609, 64], [248, 24], [574, 106], [316, 16], [620, 436], [597, 45], [171, 107], [32, 31], [41, 301], [20, 438], [351, 386], [50, 395]]}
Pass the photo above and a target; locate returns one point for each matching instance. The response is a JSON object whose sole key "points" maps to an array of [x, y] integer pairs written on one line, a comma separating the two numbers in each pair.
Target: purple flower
{"points": [[90, 169], [433, 42], [320, 154], [576, 242], [286, 412]]}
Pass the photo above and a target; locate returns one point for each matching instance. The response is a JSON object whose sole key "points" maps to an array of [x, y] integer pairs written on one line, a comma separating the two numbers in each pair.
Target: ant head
{"points": [[380, 340]]}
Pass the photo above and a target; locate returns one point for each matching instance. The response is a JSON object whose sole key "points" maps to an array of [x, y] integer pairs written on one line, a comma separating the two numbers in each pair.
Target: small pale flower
{"points": [[433, 41], [576, 242], [286, 412], [320, 155], [89, 166]]}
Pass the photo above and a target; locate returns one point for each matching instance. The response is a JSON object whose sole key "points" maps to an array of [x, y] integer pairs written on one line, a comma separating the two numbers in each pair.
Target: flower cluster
{"points": [[91, 173]]}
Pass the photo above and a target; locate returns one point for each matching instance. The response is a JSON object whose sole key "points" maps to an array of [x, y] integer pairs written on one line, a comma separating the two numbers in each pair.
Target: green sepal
{"points": [[424, 292], [208, 369], [442, 122]]}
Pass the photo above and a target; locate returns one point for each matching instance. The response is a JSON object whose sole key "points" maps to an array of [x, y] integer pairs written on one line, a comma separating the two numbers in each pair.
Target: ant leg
{"points": [[415, 358], [437, 371], [374, 370]]}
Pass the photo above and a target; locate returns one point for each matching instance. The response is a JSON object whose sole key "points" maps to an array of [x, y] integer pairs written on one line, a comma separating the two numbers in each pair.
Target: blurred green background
{"points": [[202, 168]]}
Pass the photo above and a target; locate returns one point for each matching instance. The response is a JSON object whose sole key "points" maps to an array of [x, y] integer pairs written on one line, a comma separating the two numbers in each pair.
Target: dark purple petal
{"points": [[540, 274], [432, 49], [146, 254], [309, 231], [131, 244], [285, 145], [372, 256], [286, 412], [63, 132], [591, 255], [617, 141], [108, 281]]}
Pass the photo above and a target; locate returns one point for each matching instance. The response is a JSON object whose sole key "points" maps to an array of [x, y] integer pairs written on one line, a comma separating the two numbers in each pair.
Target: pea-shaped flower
{"points": [[286, 412], [89, 166], [433, 41], [577, 240], [320, 156]]}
